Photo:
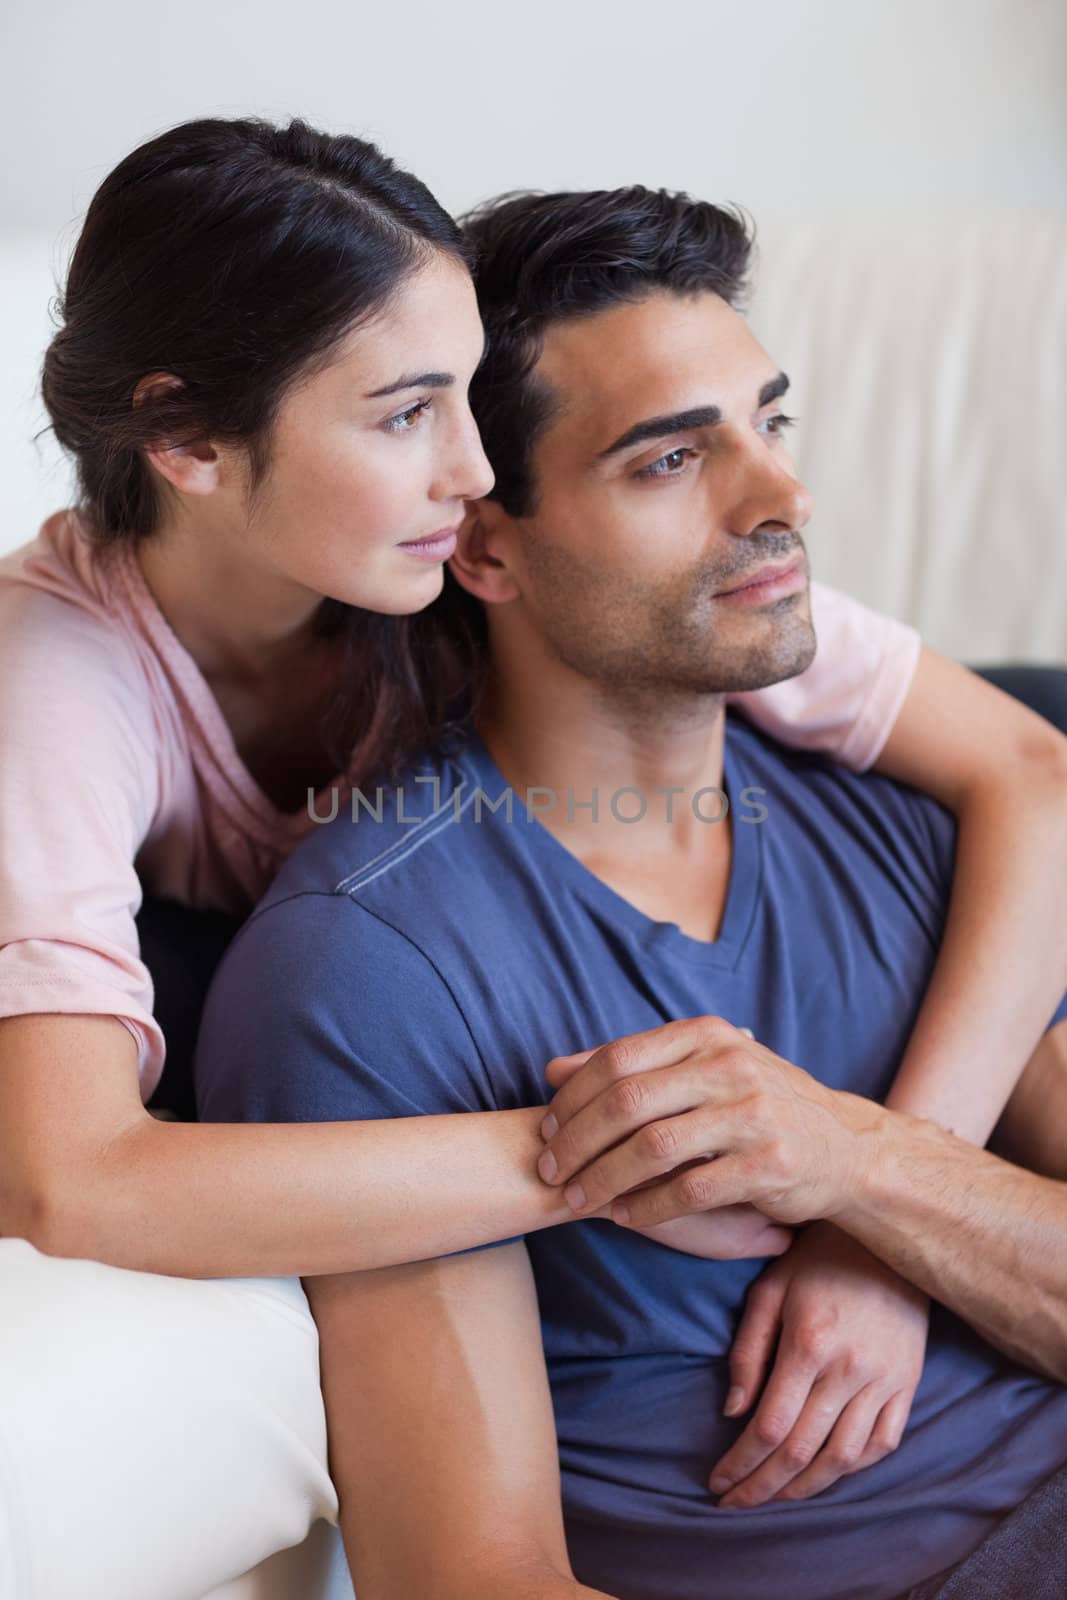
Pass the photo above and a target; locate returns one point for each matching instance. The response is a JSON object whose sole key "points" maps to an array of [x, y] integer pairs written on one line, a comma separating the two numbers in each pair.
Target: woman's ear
{"points": [[482, 562], [190, 468]]}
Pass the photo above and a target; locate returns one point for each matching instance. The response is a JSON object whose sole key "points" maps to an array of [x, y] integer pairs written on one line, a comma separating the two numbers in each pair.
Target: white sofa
{"points": [[930, 368], [314, 1570]]}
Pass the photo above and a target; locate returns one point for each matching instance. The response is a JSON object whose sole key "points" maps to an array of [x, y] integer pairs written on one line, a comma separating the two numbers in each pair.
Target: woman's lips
{"points": [[760, 591], [437, 547]]}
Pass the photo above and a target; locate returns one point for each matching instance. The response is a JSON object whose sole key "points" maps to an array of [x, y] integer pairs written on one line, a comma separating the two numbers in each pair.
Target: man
{"points": [[641, 558]]}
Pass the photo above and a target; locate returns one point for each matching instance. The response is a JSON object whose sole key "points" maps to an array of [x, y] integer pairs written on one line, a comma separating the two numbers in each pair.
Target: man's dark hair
{"points": [[545, 258], [539, 259]]}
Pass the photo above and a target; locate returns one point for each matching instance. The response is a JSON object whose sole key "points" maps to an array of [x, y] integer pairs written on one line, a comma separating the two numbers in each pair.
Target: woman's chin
{"points": [[398, 595]]}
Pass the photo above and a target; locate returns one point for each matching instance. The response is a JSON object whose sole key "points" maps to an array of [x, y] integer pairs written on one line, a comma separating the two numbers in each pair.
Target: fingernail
{"points": [[719, 1485], [574, 1195], [550, 1127], [734, 1401], [620, 1213], [546, 1166]]}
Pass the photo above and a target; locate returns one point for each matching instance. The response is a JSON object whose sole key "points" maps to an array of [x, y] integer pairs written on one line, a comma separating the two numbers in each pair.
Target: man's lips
{"points": [[770, 582]]}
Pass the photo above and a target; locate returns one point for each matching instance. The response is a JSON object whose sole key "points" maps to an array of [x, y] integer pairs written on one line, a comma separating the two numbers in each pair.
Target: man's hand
{"points": [[729, 1233], [851, 1343], [743, 1124]]}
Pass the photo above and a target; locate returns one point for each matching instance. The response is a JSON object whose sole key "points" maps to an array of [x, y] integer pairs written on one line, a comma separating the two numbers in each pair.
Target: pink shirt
{"points": [[118, 771]]}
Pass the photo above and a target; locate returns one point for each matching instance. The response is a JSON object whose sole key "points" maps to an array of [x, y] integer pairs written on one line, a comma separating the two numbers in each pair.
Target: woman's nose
{"points": [[470, 477]]}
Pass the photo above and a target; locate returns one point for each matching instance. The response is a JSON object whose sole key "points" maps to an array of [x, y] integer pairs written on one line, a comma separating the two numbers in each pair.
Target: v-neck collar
{"points": [[660, 939]]}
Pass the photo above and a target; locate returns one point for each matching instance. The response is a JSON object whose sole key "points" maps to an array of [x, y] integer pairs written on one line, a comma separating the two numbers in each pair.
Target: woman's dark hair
{"points": [[235, 255], [545, 258], [539, 259]]}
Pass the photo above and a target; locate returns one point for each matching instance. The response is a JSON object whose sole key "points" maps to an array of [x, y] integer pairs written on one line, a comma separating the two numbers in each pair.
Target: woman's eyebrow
{"points": [[680, 421], [414, 380]]}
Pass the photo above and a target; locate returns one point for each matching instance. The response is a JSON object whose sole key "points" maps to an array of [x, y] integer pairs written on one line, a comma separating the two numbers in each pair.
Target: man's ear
{"points": [[483, 553], [190, 468]]}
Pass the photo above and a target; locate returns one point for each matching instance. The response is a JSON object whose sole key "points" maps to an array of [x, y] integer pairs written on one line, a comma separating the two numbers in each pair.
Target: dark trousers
{"points": [[1024, 1558]]}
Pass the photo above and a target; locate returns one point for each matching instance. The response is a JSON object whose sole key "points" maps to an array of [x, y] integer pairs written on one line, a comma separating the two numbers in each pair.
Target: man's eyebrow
{"points": [[773, 389], [680, 421], [414, 380]]}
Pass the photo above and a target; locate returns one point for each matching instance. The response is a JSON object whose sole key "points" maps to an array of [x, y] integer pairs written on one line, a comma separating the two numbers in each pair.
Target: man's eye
{"points": [[667, 466], [777, 424], [404, 421]]}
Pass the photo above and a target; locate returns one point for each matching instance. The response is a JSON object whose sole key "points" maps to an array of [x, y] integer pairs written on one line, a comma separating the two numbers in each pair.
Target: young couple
{"points": [[271, 376]]}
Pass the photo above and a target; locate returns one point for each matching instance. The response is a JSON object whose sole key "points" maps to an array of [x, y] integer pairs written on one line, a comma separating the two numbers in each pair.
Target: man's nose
{"points": [[767, 490]]}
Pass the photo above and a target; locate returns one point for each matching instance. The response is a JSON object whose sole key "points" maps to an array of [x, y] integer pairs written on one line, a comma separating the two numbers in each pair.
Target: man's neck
{"points": [[636, 786]]}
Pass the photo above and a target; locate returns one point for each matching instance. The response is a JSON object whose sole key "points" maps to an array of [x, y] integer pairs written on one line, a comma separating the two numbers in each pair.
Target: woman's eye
{"points": [[777, 424], [667, 466], [404, 421]]}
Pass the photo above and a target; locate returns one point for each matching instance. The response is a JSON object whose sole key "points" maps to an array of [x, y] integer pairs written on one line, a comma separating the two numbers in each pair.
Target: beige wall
{"points": [[777, 103], [906, 112]]}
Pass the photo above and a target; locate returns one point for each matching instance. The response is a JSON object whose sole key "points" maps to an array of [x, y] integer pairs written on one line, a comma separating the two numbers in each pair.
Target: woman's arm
{"points": [[1002, 969], [95, 1176], [85, 1171]]}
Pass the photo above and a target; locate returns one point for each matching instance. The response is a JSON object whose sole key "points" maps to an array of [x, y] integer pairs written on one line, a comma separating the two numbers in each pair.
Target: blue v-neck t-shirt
{"points": [[435, 961]]}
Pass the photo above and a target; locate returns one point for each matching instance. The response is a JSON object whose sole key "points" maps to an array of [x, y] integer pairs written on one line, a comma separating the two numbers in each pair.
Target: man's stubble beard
{"points": [[660, 647]]}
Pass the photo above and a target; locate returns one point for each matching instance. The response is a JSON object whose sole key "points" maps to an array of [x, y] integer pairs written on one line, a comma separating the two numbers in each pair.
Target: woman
{"points": [[262, 374]]}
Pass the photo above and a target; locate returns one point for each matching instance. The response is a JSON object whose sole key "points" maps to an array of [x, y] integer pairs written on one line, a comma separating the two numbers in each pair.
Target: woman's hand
{"points": [[732, 1233], [851, 1338]]}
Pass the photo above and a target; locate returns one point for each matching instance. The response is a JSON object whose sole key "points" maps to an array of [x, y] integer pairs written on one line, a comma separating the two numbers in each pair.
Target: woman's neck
{"points": [[238, 620]]}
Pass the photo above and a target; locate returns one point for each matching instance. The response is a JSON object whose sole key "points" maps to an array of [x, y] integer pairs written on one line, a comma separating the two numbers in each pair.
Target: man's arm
{"points": [[987, 1239], [442, 1439]]}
